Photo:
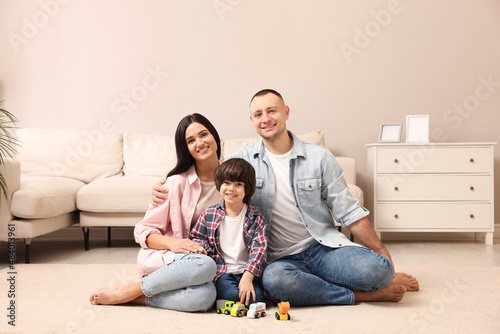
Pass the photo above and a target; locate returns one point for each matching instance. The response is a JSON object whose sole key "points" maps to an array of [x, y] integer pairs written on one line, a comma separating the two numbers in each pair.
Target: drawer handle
{"points": [[471, 160], [396, 216], [471, 216], [396, 188], [472, 188], [396, 161]]}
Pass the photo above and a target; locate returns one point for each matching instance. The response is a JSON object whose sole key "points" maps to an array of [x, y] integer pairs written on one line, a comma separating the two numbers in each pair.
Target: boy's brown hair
{"points": [[237, 170]]}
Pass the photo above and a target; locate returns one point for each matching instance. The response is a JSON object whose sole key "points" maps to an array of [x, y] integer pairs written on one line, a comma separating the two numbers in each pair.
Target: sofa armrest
{"points": [[356, 192], [11, 171], [348, 165]]}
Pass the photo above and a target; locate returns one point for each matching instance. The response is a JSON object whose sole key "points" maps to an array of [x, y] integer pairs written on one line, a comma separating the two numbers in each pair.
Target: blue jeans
{"points": [[322, 275], [227, 288], [183, 285]]}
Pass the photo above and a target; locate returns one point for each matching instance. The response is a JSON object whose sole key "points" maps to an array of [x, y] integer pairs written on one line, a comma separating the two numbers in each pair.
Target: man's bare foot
{"points": [[120, 295], [390, 293], [409, 282]]}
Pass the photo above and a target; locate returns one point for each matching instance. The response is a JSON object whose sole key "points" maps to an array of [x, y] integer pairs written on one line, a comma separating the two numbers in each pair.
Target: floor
{"points": [[435, 253]]}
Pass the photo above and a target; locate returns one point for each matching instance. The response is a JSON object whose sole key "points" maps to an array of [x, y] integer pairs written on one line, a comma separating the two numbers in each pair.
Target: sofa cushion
{"points": [[148, 155], [316, 137], [45, 196], [117, 194], [229, 146], [83, 156]]}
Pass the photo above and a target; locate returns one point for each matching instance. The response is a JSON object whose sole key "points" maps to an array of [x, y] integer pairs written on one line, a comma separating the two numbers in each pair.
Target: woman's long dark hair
{"points": [[184, 159]]}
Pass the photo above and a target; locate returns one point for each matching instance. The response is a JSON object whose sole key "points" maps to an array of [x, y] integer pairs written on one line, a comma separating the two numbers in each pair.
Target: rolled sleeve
{"points": [[353, 216], [155, 221]]}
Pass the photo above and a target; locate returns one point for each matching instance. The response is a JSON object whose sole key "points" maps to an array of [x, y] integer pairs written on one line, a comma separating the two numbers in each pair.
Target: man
{"points": [[299, 187]]}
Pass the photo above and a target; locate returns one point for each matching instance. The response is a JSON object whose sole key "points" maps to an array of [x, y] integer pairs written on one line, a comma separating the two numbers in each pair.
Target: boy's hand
{"points": [[160, 193], [246, 288]]}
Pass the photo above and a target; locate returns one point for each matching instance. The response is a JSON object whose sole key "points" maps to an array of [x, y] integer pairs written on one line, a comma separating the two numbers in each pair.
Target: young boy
{"points": [[234, 234]]}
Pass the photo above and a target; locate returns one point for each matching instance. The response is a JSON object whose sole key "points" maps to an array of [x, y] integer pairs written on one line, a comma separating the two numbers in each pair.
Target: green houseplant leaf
{"points": [[8, 143]]}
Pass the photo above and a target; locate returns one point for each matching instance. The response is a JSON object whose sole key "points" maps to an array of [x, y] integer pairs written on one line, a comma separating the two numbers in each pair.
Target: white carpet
{"points": [[54, 299]]}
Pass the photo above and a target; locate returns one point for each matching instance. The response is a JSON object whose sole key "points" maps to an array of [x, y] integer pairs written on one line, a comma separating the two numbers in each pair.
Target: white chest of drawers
{"points": [[444, 187]]}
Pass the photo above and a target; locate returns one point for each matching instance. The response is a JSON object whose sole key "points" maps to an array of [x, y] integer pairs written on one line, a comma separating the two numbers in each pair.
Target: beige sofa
{"points": [[61, 178]]}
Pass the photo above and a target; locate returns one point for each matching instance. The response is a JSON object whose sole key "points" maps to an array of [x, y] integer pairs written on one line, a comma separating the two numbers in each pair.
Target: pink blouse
{"points": [[172, 219]]}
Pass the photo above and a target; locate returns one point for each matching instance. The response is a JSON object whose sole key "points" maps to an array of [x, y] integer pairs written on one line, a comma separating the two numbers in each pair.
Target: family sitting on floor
{"points": [[260, 222]]}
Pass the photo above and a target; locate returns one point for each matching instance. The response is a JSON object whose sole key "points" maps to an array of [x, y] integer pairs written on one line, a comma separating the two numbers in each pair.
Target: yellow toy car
{"points": [[238, 310]]}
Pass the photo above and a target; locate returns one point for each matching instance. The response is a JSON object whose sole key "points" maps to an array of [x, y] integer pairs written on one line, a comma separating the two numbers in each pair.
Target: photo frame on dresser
{"points": [[417, 128], [390, 133]]}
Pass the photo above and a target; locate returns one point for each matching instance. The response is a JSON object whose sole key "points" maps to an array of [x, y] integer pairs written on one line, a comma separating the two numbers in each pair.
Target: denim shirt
{"points": [[318, 186]]}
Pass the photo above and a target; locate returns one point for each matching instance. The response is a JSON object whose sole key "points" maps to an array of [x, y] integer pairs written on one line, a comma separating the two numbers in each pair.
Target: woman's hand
{"points": [[158, 241], [185, 246], [160, 193], [246, 288]]}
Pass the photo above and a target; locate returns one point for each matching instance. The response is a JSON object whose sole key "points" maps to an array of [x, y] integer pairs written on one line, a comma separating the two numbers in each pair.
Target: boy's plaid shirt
{"points": [[255, 232]]}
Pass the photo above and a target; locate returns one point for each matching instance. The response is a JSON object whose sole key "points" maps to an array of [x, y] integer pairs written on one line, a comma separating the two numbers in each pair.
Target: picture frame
{"points": [[417, 128], [390, 133]]}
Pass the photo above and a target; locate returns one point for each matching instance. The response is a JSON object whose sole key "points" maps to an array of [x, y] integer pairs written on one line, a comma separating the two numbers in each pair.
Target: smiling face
{"points": [[200, 142], [269, 114], [232, 192]]}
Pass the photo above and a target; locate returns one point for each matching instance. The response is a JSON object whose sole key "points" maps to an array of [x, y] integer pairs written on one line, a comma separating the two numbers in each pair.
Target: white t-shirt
{"points": [[232, 243], [287, 234]]}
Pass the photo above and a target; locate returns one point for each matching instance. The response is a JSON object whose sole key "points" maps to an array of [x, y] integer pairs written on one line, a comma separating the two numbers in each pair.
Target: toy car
{"points": [[283, 309], [238, 310], [224, 306], [256, 310]]}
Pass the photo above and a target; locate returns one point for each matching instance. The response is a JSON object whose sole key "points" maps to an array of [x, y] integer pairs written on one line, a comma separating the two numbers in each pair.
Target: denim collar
{"points": [[298, 149]]}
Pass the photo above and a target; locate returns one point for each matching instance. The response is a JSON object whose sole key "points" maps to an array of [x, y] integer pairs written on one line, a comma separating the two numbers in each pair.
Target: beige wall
{"points": [[344, 67]]}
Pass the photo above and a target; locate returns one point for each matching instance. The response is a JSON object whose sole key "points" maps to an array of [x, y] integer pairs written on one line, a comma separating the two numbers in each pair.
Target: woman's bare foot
{"points": [[390, 293], [409, 282], [123, 294]]}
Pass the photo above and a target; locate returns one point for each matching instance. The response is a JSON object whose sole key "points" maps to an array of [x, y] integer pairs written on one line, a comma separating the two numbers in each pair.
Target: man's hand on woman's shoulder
{"points": [[160, 193]]}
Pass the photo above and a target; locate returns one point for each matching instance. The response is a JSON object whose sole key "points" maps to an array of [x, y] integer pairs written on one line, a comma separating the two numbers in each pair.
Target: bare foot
{"points": [[120, 295], [390, 293], [409, 282]]}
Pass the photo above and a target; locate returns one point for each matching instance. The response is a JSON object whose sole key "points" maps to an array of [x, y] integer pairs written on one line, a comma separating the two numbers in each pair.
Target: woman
{"points": [[176, 272]]}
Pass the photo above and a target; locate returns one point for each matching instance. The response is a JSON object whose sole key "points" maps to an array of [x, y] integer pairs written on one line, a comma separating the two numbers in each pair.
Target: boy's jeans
{"points": [[227, 288]]}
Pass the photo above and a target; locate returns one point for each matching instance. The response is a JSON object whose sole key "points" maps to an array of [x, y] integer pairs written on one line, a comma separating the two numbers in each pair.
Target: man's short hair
{"points": [[265, 92], [237, 170]]}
